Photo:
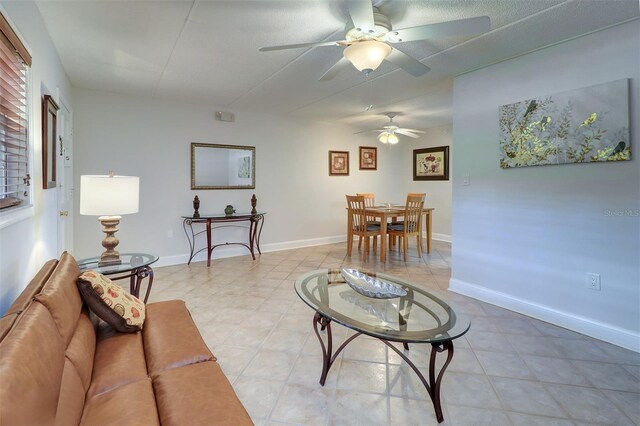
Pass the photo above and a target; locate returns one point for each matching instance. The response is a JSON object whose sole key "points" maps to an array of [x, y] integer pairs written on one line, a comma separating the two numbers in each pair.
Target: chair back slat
{"points": [[369, 198], [357, 214], [413, 213]]}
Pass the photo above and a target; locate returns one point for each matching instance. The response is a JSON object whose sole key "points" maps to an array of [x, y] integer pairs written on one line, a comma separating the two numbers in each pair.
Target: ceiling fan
{"points": [[389, 133], [369, 35]]}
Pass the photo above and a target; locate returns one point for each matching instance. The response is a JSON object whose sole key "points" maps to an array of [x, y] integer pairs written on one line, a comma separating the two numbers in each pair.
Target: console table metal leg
{"points": [[252, 236], [261, 220], [209, 249], [143, 273], [191, 239]]}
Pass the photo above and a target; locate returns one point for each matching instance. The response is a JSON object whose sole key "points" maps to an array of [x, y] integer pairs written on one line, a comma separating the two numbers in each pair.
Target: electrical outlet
{"points": [[465, 179], [593, 281]]}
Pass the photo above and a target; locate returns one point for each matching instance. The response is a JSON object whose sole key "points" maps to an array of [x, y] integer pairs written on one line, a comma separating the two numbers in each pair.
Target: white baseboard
{"points": [[618, 336], [232, 251], [441, 237]]}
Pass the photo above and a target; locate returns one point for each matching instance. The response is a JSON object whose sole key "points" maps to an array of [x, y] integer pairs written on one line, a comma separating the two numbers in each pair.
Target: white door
{"points": [[64, 171]]}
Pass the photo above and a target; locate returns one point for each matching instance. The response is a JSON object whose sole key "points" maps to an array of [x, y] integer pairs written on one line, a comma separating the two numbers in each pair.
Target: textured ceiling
{"points": [[207, 51]]}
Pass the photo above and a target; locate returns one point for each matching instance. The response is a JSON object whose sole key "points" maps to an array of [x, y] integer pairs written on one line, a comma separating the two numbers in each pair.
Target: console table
{"points": [[256, 221]]}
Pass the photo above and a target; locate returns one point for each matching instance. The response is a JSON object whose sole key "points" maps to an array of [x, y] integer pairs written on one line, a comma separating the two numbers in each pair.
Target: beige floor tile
{"points": [[589, 405], [608, 376], [303, 405], [409, 412], [555, 370], [257, 395], [285, 341], [473, 390], [526, 397], [358, 408], [404, 382], [532, 420], [362, 376], [262, 334], [270, 365], [628, 402], [504, 364], [466, 416]]}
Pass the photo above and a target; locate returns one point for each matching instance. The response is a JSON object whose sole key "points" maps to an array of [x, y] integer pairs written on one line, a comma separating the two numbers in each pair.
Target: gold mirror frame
{"points": [[252, 166]]}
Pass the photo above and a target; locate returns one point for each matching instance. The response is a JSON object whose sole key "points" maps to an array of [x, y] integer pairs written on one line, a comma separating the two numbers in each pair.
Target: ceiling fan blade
{"points": [[406, 133], [361, 12], [407, 63], [366, 131], [335, 69], [411, 130], [301, 45], [469, 26]]}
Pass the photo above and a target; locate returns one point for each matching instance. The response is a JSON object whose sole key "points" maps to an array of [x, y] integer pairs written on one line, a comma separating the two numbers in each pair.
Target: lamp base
{"points": [[110, 227]]}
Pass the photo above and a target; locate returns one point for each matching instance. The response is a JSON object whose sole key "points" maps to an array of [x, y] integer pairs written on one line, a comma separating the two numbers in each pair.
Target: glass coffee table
{"points": [[418, 317], [135, 266]]}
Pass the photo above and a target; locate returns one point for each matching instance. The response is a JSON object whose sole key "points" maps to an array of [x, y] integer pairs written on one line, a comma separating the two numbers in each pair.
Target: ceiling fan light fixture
{"points": [[392, 139], [384, 137], [367, 55]]}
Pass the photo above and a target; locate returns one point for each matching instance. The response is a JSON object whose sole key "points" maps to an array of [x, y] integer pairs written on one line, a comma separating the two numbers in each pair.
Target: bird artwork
{"points": [[619, 148], [533, 105]]}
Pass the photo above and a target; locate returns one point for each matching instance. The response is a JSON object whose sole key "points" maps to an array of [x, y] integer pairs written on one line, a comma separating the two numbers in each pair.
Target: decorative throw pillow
{"points": [[111, 302]]}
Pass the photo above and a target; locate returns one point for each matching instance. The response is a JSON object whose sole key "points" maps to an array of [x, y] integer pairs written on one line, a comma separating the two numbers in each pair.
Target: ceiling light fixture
{"points": [[386, 137], [367, 55]]}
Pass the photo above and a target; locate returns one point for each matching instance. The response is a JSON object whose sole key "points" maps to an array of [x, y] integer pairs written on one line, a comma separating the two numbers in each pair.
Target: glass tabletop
{"points": [[418, 317], [129, 261], [224, 216]]}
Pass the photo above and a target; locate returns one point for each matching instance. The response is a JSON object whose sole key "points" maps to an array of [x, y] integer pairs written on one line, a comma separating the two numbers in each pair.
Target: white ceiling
{"points": [[207, 51]]}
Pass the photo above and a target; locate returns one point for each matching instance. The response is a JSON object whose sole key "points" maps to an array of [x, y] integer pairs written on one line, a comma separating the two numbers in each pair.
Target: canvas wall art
{"points": [[579, 126]]}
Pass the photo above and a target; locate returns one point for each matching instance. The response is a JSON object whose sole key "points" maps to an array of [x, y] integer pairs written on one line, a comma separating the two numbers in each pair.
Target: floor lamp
{"points": [[109, 197]]}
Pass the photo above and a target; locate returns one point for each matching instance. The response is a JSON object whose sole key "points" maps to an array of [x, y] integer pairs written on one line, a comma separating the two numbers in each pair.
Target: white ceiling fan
{"points": [[369, 35], [389, 133]]}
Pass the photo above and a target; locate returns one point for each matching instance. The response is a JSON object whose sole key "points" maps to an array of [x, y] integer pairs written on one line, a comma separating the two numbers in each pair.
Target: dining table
{"points": [[391, 212]]}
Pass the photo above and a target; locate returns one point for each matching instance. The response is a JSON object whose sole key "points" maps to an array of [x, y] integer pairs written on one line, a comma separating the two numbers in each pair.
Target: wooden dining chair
{"points": [[401, 222], [357, 224], [410, 226], [369, 201]]}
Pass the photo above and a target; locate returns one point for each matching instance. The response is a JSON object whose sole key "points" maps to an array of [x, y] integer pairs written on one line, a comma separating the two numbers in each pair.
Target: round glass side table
{"points": [[135, 266]]}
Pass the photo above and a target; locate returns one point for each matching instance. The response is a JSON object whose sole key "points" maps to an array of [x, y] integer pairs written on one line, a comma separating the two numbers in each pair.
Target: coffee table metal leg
{"points": [[437, 382], [327, 357], [434, 384]]}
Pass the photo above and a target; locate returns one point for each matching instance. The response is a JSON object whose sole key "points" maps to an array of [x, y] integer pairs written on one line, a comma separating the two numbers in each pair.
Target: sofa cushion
{"points": [[132, 404], [171, 338], [72, 393], [31, 369], [61, 296], [111, 302], [81, 349], [119, 360], [198, 394]]}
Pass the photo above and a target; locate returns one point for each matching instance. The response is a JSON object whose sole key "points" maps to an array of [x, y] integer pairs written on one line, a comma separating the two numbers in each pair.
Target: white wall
{"points": [[438, 191], [525, 238], [151, 139], [27, 244]]}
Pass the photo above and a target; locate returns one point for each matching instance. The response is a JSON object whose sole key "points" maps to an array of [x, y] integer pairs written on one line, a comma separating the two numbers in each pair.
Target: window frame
{"points": [[25, 210]]}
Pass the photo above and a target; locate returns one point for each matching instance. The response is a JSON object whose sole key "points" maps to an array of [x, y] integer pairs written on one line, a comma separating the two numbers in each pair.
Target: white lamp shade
{"points": [[392, 139], [384, 137], [367, 55], [102, 195]]}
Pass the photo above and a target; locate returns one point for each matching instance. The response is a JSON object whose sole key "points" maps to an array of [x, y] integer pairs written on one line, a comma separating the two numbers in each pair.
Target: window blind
{"points": [[14, 126]]}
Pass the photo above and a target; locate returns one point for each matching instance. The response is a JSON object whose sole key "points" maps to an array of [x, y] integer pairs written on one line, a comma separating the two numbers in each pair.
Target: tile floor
{"points": [[509, 369]]}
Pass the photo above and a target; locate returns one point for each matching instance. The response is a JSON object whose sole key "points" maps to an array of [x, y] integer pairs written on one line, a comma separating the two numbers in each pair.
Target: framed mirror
{"points": [[223, 166], [49, 132]]}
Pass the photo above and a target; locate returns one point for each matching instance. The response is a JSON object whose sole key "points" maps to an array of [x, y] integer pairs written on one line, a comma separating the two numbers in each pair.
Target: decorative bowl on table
{"points": [[370, 286]]}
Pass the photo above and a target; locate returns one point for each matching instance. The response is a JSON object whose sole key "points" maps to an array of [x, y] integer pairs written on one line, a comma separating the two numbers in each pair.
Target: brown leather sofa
{"points": [[58, 366]]}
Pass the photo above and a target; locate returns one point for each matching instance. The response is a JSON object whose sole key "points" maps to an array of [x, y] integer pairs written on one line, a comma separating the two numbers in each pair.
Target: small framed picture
{"points": [[338, 163], [431, 163], [368, 158]]}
